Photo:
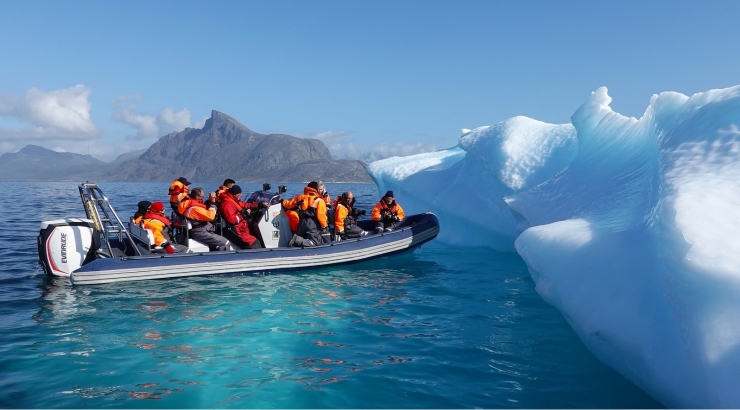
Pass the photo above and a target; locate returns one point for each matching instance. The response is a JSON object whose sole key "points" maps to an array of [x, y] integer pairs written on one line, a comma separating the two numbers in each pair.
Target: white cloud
{"points": [[341, 146], [201, 123], [62, 114], [149, 125]]}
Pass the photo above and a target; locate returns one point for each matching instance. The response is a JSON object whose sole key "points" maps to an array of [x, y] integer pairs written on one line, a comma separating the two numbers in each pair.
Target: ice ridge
{"points": [[628, 227]]}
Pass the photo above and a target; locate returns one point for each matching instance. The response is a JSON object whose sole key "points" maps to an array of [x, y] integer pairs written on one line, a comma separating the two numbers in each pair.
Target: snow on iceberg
{"points": [[627, 225], [466, 185]]}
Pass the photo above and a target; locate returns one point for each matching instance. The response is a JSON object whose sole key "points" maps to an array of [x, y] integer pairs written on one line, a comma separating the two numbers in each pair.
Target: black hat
{"points": [[143, 206], [313, 184], [388, 194], [235, 190], [184, 181]]}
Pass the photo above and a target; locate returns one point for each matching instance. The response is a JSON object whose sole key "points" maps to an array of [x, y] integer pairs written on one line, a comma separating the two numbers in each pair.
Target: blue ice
{"points": [[628, 227]]}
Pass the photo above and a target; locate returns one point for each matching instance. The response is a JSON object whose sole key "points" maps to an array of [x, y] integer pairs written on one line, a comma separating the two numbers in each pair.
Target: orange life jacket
{"points": [[159, 217], [219, 192], [177, 191]]}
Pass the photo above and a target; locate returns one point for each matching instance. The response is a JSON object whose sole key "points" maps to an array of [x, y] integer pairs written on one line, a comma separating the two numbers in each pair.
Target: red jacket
{"points": [[231, 208], [231, 212]]}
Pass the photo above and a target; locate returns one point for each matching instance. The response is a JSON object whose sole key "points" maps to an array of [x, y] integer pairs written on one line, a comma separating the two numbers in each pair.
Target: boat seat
{"points": [[145, 236], [194, 245]]}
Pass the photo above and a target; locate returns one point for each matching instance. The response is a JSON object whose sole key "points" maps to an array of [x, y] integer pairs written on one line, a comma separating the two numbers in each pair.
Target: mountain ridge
{"points": [[223, 148]]}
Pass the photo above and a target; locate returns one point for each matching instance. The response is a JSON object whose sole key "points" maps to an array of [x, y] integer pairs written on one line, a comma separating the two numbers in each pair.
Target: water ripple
{"points": [[441, 327]]}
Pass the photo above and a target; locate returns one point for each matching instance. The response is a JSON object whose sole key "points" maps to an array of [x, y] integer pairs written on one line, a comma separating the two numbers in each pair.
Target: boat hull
{"points": [[416, 230]]}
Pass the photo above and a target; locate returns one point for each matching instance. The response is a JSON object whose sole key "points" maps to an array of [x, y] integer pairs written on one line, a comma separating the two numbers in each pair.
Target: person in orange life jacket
{"points": [[234, 211], [178, 191], [143, 208], [386, 213], [321, 189], [228, 183], [200, 216], [292, 214], [345, 217], [311, 210], [155, 221]]}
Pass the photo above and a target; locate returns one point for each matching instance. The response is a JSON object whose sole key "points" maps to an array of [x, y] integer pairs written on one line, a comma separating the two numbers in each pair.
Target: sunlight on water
{"points": [[441, 327]]}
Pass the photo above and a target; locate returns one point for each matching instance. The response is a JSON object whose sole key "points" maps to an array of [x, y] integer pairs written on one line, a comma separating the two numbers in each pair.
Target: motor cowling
{"points": [[67, 244]]}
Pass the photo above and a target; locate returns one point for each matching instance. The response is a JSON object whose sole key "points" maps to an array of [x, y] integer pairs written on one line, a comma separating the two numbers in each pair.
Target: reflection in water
{"points": [[251, 330], [440, 327]]}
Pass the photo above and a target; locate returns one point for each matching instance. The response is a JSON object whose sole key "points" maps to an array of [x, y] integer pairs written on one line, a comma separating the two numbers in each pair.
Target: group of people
{"points": [[309, 215]]}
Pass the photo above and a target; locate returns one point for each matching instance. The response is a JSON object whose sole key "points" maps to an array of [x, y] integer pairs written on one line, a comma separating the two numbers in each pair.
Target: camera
{"points": [[358, 212]]}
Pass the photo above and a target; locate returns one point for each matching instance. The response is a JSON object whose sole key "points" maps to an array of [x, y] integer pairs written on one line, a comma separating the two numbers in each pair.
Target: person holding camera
{"points": [[387, 213], [345, 217], [236, 215], [200, 216]]}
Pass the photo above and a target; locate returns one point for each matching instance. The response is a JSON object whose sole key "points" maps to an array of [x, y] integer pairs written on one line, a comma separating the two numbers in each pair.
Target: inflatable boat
{"points": [[100, 248]]}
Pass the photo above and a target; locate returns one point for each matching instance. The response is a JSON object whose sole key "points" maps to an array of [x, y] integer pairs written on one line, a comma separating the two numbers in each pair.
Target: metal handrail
{"points": [[95, 203]]}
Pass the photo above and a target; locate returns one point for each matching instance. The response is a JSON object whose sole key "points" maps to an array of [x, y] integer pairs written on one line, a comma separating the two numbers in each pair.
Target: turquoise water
{"points": [[443, 327]]}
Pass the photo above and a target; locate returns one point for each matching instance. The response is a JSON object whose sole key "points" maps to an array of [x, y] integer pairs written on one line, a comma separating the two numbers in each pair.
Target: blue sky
{"points": [[369, 78]]}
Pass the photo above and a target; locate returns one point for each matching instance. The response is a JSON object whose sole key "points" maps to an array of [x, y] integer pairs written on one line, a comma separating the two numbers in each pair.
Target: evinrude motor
{"points": [[67, 244]]}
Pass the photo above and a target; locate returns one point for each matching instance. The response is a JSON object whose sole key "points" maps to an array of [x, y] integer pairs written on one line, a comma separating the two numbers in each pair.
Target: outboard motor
{"points": [[67, 244]]}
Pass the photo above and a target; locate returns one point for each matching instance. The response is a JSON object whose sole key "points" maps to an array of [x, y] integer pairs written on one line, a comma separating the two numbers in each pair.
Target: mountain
{"points": [[224, 148], [34, 163], [127, 156]]}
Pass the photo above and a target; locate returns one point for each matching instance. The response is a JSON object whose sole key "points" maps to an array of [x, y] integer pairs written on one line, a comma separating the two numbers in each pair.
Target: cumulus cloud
{"points": [[149, 125], [62, 114], [342, 146]]}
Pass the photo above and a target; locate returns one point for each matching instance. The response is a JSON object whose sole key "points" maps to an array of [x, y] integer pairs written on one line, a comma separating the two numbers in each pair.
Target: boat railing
{"points": [[104, 217]]}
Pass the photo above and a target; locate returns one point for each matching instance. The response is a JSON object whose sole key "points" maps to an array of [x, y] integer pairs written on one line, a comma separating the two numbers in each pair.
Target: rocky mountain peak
{"points": [[219, 119]]}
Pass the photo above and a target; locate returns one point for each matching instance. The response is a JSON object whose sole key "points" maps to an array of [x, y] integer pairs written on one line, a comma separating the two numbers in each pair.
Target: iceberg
{"points": [[627, 227]]}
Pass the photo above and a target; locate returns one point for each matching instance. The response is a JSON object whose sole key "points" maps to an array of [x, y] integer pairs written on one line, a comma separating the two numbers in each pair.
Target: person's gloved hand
{"points": [[169, 248]]}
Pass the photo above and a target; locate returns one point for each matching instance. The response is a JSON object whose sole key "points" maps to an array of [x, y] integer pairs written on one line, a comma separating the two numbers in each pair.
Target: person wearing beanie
{"points": [[312, 228], [155, 221], [345, 218], [387, 213], [200, 217], [234, 212], [143, 207]]}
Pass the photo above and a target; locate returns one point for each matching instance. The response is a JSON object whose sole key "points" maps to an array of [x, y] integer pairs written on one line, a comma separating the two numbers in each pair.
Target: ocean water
{"points": [[442, 327]]}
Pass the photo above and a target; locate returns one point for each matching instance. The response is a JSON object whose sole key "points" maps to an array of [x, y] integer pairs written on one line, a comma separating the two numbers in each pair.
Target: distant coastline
{"points": [[223, 148]]}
